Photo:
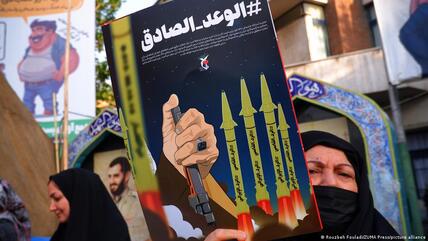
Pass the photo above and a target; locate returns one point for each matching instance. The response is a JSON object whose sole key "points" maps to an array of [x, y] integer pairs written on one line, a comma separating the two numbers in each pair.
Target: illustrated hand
{"points": [[226, 234], [58, 75], [180, 141]]}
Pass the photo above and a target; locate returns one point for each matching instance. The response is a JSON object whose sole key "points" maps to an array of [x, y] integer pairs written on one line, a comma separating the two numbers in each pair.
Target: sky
{"points": [[130, 6]]}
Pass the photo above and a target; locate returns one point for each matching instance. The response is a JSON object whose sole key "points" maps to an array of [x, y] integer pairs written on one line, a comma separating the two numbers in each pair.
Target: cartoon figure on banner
{"points": [[42, 68]]}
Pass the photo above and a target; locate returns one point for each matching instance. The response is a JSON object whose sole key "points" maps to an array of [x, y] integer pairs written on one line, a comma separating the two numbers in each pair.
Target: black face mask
{"points": [[337, 208]]}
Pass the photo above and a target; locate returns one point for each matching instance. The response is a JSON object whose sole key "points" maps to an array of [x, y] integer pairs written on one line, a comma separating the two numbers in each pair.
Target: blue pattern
{"points": [[305, 88], [106, 120]]}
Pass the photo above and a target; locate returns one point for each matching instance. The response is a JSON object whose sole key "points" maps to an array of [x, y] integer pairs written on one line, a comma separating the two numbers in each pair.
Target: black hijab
{"points": [[367, 220], [93, 214]]}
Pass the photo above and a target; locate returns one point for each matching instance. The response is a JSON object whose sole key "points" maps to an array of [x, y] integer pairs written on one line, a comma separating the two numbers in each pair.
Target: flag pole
{"points": [[66, 72], [56, 133]]}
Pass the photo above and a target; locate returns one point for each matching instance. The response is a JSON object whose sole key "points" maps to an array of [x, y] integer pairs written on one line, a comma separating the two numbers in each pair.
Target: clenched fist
{"points": [[180, 141]]}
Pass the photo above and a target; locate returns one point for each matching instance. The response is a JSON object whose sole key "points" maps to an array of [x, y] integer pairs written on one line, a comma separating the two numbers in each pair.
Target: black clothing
{"points": [[366, 220], [93, 214], [7, 231]]}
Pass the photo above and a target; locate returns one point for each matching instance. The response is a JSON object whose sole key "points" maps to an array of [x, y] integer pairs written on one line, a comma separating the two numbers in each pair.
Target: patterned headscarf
{"points": [[12, 209]]}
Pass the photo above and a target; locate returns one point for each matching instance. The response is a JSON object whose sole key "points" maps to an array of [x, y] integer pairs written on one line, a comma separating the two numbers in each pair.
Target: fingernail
{"points": [[178, 130]]}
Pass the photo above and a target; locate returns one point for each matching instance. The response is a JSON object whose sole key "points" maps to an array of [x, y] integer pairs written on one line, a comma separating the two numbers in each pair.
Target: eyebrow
{"points": [[346, 164], [338, 165], [315, 161]]}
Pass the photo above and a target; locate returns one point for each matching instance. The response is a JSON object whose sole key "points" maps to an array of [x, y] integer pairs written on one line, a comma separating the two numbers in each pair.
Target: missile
{"points": [[198, 198], [124, 129], [247, 111], [147, 187], [133, 123], [296, 196], [286, 213], [242, 208]]}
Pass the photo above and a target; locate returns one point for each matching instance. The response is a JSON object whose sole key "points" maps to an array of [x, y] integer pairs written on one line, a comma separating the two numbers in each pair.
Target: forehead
{"points": [[52, 187], [327, 155], [39, 28], [116, 168]]}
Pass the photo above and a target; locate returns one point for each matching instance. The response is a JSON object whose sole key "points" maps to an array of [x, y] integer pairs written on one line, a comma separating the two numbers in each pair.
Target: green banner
{"points": [[74, 127]]}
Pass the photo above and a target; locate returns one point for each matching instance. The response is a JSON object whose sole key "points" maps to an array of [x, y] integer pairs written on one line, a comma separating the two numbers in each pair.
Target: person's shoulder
{"points": [[382, 226], [59, 37], [129, 194], [133, 194]]}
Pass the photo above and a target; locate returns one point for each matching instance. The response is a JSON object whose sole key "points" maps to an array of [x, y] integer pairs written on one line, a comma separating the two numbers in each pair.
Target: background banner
{"points": [[32, 52], [402, 26]]}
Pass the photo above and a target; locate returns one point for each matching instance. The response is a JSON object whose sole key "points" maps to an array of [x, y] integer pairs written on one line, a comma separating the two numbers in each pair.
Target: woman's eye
{"points": [[313, 171], [346, 175]]}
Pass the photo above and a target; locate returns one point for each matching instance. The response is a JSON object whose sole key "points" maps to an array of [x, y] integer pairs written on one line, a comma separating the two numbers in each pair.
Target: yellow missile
{"points": [[247, 111], [286, 213], [228, 125], [296, 196]]}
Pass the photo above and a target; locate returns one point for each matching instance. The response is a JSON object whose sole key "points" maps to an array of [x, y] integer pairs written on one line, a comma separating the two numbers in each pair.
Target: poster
{"points": [[114, 170], [206, 85], [32, 52]]}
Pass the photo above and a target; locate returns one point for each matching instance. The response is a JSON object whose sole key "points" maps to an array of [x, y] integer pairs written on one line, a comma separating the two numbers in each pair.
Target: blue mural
{"points": [[106, 120], [305, 88]]}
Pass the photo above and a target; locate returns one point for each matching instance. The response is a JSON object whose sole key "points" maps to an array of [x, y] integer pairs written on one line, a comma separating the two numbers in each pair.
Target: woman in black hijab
{"points": [[342, 190], [84, 208]]}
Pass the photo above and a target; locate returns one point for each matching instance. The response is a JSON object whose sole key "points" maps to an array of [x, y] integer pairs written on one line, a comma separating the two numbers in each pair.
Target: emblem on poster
{"points": [[204, 62]]}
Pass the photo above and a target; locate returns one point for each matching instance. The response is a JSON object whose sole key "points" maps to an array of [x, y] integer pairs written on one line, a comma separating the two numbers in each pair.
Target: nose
{"points": [[52, 206], [328, 179]]}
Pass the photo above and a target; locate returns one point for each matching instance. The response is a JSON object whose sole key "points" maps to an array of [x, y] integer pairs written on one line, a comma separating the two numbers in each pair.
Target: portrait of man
{"points": [[115, 171], [118, 177]]}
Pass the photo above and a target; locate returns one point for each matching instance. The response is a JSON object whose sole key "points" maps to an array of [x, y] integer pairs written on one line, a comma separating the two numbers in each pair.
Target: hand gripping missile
{"points": [[286, 213], [296, 196], [247, 111], [198, 198], [228, 125]]}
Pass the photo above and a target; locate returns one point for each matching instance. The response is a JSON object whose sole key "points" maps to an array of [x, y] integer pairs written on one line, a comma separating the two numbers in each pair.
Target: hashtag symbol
{"points": [[254, 8]]}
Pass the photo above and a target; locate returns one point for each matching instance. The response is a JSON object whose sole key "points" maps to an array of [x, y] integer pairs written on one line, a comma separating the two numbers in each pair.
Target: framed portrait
{"points": [[115, 172]]}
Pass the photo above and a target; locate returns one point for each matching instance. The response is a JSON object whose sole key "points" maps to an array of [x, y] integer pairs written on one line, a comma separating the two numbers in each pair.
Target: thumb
{"points": [[166, 109]]}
